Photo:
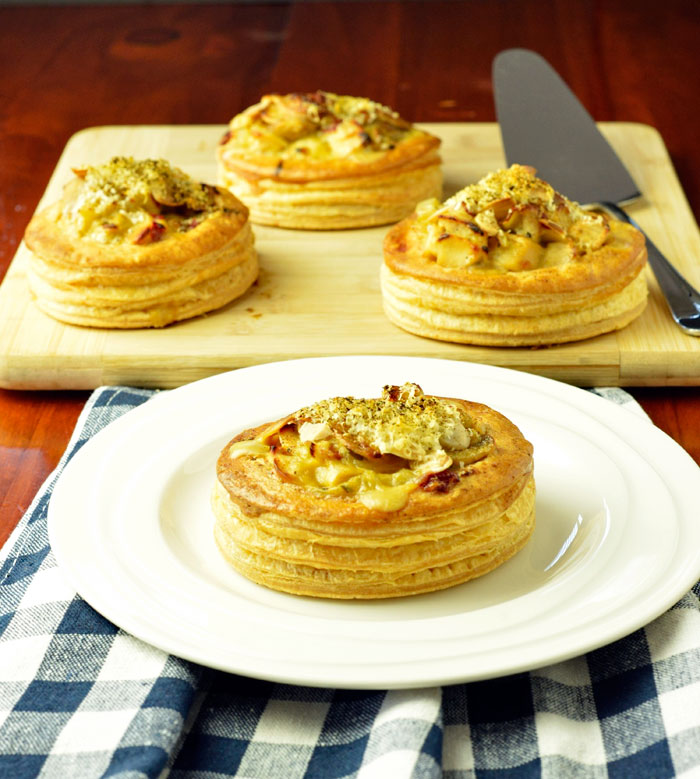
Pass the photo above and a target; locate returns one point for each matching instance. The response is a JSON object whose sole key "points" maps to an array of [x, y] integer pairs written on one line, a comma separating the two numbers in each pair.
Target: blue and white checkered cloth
{"points": [[81, 698]]}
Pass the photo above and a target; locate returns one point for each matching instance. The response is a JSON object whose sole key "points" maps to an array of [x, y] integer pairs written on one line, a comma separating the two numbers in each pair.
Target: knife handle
{"points": [[682, 298]]}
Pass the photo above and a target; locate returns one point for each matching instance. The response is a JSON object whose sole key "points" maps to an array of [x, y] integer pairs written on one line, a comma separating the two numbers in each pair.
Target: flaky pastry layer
{"points": [[345, 203], [328, 543], [325, 161], [407, 568], [447, 314], [512, 273], [125, 282]]}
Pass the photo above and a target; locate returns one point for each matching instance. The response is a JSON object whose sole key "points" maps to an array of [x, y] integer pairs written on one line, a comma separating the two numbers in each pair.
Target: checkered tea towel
{"points": [[79, 698]]}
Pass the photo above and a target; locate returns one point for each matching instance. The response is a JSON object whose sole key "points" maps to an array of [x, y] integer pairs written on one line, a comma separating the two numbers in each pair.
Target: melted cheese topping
{"points": [[403, 422], [316, 126], [508, 221], [375, 450], [136, 201]]}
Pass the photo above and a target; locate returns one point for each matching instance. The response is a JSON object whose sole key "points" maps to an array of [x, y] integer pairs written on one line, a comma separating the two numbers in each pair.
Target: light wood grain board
{"points": [[318, 292]]}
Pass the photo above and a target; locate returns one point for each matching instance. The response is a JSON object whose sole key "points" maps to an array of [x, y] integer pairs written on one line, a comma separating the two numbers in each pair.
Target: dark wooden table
{"points": [[66, 68]]}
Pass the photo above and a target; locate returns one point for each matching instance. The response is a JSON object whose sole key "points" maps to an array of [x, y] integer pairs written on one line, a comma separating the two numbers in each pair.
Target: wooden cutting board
{"points": [[318, 292]]}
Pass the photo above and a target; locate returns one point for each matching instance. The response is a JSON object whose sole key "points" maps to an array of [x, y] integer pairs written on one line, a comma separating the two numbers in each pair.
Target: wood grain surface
{"points": [[66, 68]]}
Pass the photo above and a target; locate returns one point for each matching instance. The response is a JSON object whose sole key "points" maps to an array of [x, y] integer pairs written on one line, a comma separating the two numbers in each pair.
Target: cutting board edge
{"points": [[14, 371]]}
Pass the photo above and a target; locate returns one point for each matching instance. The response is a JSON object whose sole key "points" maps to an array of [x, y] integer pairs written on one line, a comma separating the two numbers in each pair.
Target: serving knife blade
{"points": [[543, 124]]}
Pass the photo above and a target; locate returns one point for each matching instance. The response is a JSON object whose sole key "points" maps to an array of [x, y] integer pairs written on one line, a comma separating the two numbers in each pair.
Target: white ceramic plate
{"points": [[616, 543]]}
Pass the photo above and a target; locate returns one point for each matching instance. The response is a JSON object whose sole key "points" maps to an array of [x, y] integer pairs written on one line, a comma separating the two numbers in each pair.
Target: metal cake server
{"points": [[543, 124]]}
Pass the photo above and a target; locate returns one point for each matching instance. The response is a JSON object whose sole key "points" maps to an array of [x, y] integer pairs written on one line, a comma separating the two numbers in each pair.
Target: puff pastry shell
{"points": [[327, 503], [325, 161], [510, 262], [135, 244]]}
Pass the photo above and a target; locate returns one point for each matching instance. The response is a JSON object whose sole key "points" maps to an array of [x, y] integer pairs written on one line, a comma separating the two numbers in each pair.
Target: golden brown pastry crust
{"points": [[323, 543], [325, 161], [356, 573], [129, 282], [594, 290]]}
